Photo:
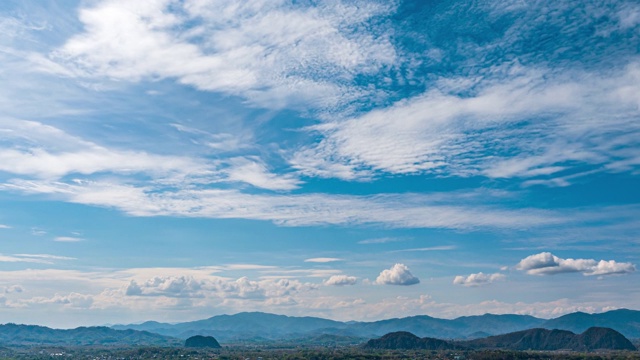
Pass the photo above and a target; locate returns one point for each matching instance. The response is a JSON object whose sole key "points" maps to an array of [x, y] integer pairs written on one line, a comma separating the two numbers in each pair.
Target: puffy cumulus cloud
{"points": [[285, 287], [268, 52], [398, 274], [180, 286], [341, 280], [216, 287], [53, 292], [478, 279], [72, 300], [546, 263]]}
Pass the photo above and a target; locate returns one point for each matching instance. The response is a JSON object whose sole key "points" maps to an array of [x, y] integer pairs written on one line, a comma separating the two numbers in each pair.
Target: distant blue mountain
{"points": [[625, 321], [263, 326], [242, 326], [258, 326], [27, 335]]}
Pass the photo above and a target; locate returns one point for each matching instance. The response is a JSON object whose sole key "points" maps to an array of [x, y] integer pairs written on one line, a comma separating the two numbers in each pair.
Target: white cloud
{"points": [[18, 27], [38, 232], [398, 274], [45, 256], [2, 226], [33, 258], [259, 50], [629, 16], [216, 287], [254, 172], [67, 239], [431, 248], [396, 210], [291, 273], [222, 142], [47, 152], [179, 294], [478, 279], [40, 163], [322, 260], [340, 280], [584, 118], [546, 263], [407, 306], [247, 267], [73, 300], [181, 286], [383, 240]]}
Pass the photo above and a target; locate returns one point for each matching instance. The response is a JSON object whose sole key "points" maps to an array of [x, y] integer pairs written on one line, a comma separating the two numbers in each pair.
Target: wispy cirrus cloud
{"points": [[431, 248], [37, 150], [68, 239], [46, 256], [322, 260], [257, 50], [33, 258], [255, 172], [396, 210], [383, 240], [445, 133], [43, 151]]}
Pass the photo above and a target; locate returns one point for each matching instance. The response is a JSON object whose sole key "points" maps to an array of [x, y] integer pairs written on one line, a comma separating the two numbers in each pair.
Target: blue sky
{"points": [[357, 160]]}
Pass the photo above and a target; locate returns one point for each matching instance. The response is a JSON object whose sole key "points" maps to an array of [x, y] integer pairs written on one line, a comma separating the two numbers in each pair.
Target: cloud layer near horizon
{"points": [[548, 264]]}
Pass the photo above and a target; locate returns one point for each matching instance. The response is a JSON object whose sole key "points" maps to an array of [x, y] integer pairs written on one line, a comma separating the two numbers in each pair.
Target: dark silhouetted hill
{"points": [[200, 341], [407, 341], [543, 339], [12, 334], [596, 338]]}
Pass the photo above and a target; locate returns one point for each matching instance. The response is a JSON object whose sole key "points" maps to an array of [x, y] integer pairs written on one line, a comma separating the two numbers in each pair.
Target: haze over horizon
{"points": [[173, 160]]}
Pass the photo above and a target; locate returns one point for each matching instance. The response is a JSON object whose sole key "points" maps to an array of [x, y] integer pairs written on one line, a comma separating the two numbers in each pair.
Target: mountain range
{"points": [[27, 335], [258, 326], [515, 332], [594, 338]]}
